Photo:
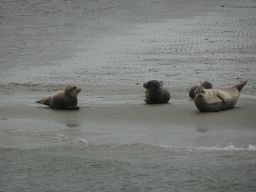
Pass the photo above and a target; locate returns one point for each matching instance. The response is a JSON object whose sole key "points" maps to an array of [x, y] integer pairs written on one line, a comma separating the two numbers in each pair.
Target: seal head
{"points": [[199, 93], [205, 84], [72, 91], [155, 94], [62, 100]]}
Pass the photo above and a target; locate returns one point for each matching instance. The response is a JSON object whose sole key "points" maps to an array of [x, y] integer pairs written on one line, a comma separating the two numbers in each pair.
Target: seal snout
{"points": [[78, 90], [145, 85], [200, 96]]}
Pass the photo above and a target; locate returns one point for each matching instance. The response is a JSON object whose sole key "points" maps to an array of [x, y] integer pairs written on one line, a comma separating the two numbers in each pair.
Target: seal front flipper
{"points": [[221, 96], [148, 102], [214, 110], [73, 108]]}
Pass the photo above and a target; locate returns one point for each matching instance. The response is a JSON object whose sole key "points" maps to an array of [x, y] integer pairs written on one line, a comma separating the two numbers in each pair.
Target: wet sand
{"points": [[111, 53], [122, 111]]}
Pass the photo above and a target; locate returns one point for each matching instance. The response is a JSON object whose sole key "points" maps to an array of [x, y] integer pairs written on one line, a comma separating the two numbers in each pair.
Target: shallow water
{"points": [[121, 43], [135, 167], [105, 156], [68, 162], [125, 43]]}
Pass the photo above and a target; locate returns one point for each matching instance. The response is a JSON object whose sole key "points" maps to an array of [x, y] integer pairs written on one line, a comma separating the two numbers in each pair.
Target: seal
{"points": [[155, 94], [216, 100], [205, 84], [62, 100]]}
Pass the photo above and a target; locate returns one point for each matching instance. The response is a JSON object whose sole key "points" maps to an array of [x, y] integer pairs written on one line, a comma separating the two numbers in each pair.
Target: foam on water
{"points": [[145, 145], [63, 139], [55, 137], [230, 147]]}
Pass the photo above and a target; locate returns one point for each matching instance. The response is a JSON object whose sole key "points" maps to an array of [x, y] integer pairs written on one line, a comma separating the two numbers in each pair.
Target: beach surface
{"points": [[116, 142], [122, 112]]}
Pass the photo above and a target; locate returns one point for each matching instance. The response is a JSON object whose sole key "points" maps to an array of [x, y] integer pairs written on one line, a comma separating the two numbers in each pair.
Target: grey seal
{"points": [[155, 94], [204, 84], [217, 100], [62, 100]]}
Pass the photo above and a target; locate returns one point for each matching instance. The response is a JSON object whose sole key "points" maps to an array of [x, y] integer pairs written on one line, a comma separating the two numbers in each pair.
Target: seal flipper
{"points": [[222, 97], [73, 108], [44, 101], [161, 83], [214, 110], [240, 85], [148, 102]]}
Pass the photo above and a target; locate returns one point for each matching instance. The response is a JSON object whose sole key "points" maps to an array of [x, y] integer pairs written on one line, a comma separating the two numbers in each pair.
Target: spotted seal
{"points": [[62, 100], [155, 94], [217, 100]]}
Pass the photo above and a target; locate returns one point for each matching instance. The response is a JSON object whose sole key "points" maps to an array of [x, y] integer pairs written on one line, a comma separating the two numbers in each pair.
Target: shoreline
{"points": [[111, 63], [106, 104], [110, 119]]}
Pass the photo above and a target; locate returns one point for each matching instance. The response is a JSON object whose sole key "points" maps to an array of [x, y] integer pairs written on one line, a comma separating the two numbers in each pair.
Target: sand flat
{"points": [[123, 110]]}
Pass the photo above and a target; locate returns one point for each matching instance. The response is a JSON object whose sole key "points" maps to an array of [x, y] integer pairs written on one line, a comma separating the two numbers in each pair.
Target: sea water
{"points": [[59, 157]]}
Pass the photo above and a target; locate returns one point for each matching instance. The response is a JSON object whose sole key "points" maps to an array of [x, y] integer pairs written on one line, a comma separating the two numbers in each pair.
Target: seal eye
{"points": [[74, 88]]}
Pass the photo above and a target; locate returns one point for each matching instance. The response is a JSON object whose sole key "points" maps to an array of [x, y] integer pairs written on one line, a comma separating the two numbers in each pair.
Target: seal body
{"points": [[62, 100], [155, 94], [204, 84], [217, 100]]}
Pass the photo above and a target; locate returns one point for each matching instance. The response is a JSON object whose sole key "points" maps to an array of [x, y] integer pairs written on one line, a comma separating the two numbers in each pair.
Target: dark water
{"points": [[137, 167], [60, 158], [134, 167]]}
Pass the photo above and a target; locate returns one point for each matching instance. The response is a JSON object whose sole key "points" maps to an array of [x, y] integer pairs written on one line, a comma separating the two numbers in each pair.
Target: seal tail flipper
{"points": [[240, 85], [161, 83], [43, 100]]}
